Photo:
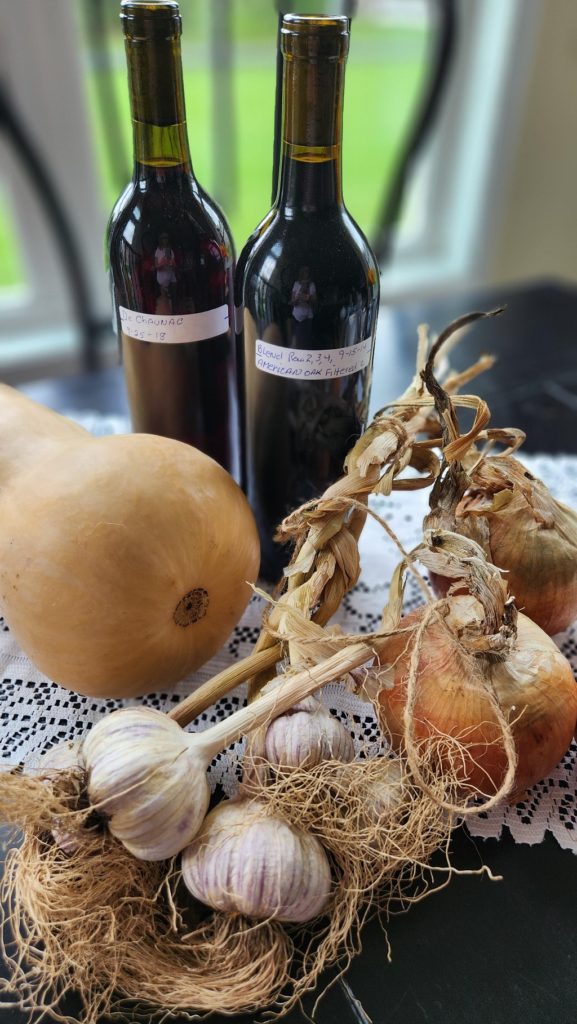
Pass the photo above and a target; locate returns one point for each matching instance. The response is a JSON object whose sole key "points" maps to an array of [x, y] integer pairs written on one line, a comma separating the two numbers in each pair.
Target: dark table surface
{"points": [[480, 951]]}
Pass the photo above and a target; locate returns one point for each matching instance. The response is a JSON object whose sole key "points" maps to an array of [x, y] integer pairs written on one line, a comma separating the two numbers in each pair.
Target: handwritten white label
{"points": [[312, 363], [177, 329]]}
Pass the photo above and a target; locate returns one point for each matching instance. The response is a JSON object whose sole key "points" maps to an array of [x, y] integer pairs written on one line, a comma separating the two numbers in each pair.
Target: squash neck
{"points": [[29, 433]]}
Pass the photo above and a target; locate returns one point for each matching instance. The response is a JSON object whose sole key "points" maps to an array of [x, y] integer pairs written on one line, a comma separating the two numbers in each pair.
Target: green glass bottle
{"points": [[171, 258], [310, 293]]}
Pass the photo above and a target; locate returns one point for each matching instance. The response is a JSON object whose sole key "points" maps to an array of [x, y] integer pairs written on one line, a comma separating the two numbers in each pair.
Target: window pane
{"points": [[12, 272], [387, 61]]}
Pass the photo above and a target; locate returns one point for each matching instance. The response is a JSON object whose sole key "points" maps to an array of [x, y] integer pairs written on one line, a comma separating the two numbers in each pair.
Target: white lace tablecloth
{"points": [[35, 713]]}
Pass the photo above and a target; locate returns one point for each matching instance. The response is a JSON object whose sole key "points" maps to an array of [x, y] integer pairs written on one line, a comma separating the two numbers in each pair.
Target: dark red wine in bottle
{"points": [[239, 339], [310, 296], [171, 258]]}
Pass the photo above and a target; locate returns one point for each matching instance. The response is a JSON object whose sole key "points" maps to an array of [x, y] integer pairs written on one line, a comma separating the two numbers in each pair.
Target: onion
{"points": [[496, 502], [468, 695], [527, 533]]}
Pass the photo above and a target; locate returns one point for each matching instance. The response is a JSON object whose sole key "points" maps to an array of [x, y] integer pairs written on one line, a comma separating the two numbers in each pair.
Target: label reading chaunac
{"points": [[312, 363], [174, 329]]}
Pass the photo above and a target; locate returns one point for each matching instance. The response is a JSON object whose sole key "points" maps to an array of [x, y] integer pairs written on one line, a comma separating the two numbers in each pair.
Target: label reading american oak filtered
{"points": [[174, 329], [312, 363]]}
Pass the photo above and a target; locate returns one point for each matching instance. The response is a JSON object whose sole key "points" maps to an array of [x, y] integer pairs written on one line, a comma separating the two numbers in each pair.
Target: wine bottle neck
{"points": [[309, 183], [157, 96], [158, 146], [311, 167]]}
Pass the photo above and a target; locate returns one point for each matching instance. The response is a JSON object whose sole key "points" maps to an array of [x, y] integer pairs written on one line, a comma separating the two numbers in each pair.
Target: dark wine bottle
{"points": [[239, 338], [310, 294], [171, 258]]}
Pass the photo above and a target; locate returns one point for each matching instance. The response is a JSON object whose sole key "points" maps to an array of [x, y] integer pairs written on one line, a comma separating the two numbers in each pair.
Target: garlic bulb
{"points": [[306, 735], [247, 862], [148, 777], [384, 796], [65, 756], [142, 778]]}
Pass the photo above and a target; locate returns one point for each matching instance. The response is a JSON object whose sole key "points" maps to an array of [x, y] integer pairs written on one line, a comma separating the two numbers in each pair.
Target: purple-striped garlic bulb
{"points": [[246, 861], [147, 776], [306, 735]]}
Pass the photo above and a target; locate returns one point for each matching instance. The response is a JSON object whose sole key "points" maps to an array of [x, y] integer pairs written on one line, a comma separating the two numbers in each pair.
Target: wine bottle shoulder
{"points": [[218, 219], [121, 203], [177, 206], [248, 247], [170, 249], [330, 244]]}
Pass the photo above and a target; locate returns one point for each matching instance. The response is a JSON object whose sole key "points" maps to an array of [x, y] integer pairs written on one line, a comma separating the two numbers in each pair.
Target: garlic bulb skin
{"points": [[146, 778], [244, 861], [64, 757], [307, 735], [385, 796]]}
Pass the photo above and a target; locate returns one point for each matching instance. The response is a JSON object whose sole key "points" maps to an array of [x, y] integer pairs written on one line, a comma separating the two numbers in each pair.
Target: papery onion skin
{"points": [[541, 573], [64, 757], [529, 535], [534, 687]]}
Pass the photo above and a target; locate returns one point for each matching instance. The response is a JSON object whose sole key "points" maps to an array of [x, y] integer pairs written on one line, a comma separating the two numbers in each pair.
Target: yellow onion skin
{"points": [[533, 686], [527, 534], [541, 562]]}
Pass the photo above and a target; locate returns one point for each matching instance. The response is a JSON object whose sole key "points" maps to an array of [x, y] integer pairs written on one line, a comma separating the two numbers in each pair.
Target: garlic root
{"points": [[104, 925]]}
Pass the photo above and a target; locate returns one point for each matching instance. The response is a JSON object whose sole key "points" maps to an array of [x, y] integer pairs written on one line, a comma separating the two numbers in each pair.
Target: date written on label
{"points": [[178, 329], [312, 364]]}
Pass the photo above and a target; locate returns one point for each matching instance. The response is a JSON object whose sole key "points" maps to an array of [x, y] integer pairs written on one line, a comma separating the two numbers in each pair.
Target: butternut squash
{"points": [[125, 561]]}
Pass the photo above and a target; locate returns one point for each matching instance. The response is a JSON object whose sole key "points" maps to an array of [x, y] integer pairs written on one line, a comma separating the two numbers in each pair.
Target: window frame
{"points": [[48, 81], [480, 115]]}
